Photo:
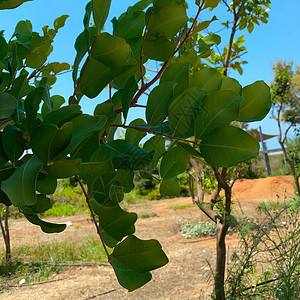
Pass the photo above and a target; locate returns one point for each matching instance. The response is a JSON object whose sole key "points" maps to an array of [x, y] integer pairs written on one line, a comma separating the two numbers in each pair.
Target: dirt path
{"points": [[186, 275]]}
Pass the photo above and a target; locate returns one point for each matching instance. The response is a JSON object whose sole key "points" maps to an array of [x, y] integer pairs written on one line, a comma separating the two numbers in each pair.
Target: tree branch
{"points": [[92, 214]]}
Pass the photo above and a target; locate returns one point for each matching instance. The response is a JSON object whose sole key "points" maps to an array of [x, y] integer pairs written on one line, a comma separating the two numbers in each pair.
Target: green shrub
{"points": [[198, 230]]}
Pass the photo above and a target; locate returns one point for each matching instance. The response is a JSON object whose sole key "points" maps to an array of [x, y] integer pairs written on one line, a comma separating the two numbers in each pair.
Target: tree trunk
{"points": [[296, 177], [5, 233], [220, 261]]}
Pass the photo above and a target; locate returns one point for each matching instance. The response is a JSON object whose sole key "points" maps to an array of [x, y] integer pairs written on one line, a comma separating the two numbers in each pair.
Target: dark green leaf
{"points": [[218, 109], [13, 142], [64, 168], [84, 126], [49, 141], [9, 4], [158, 103], [184, 110], [105, 109], [227, 145], [3, 47], [24, 178], [8, 105], [140, 255], [157, 144], [42, 204], [125, 177], [45, 226], [127, 156], [211, 3], [57, 101], [134, 136], [31, 105], [189, 149], [170, 187], [63, 115], [100, 12], [23, 32], [174, 162], [256, 102], [115, 221], [130, 89], [46, 184], [129, 279]]}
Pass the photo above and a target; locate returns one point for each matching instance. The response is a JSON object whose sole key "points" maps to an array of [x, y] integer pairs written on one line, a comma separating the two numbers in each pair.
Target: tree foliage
{"points": [[42, 139]]}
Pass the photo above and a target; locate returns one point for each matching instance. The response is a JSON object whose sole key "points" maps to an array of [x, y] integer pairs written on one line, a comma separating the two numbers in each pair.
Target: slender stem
{"points": [[157, 179], [152, 131], [141, 106], [92, 214], [151, 70], [110, 97]]}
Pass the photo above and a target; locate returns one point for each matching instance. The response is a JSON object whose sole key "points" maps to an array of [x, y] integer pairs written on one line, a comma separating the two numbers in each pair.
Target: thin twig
{"points": [[92, 214], [152, 131], [159, 180]]}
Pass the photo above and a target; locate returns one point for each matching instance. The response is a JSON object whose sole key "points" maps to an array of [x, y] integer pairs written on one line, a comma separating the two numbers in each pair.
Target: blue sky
{"points": [[279, 38]]}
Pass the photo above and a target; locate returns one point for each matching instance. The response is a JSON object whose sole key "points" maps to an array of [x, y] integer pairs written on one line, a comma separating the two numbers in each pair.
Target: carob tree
{"points": [[42, 140]]}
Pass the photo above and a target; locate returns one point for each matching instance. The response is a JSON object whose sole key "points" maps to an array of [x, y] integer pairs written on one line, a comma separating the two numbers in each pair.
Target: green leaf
{"points": [[46, 184], [85, 149], [57, 101], [218, 109], [13, 142], [130, 26], [63, 115], [115, 221], [116, 192], [227, 145], [134, 136], [256, 102], [102, 180], [179, 74], [207, 79], [203, 25], [140, 255], [84, 126], [231, 84], [184, 110], [9, 4], [42, 204], [158, 48], [174, 162], [31, 105], [64, 168], [189, 149], [168, 20], [127, 156], [60, 22], [211, 3], [156, 144], [8, 105], [130, 89], [129, 279], [110, 50], [45, 226], [170, 187], [100, 12], [125, 177], [49, 141], [158, 103], [3, 47], [24, 178], [23, 32], [105, 109], [3, 156]]}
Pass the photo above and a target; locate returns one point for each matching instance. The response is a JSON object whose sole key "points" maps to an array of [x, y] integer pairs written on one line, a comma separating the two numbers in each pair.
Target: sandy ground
{"points": [[187, 274]]}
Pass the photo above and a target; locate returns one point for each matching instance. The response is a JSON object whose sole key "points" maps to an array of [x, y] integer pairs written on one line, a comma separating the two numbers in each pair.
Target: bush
{"points": [[198, 230]]}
